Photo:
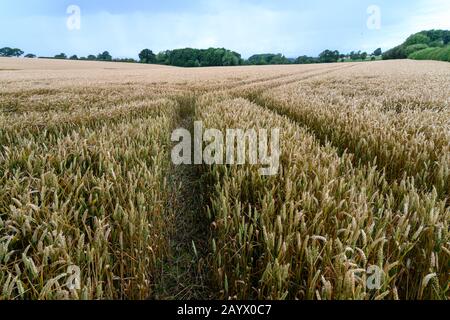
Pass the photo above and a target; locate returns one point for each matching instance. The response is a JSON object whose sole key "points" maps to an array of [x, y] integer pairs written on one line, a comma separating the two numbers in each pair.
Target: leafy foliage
{"points": [[10, 52], [433, 39], [440, 54], [189, 57], [105, 56], [147, 56], [398, 52], [268, 58], [61, 56], [306, 60], [415, 47], [378, 52], [329, 56]]}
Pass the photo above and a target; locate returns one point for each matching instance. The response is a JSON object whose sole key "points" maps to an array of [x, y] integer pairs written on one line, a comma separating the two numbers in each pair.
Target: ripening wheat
{"points": [[87, 181]]}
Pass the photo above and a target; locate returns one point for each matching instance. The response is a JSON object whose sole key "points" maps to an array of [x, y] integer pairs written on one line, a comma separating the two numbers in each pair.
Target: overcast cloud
{"points": [[248, 26]]}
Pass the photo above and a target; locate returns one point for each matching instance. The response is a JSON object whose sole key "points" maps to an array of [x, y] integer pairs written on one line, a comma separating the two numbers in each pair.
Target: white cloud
{"points": [[433, 14], [248, 30], [290, 27]]}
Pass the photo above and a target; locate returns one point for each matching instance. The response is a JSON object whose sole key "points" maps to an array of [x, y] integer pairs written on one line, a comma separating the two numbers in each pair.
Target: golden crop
{"points": [[87, 181]]}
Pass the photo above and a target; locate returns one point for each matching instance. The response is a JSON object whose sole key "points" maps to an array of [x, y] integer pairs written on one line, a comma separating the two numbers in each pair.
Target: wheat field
{"points": [[87, 181]]}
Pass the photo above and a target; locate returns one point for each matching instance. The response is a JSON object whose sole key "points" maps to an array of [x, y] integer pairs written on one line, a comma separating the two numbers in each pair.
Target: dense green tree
{"points": [[268, 58], [415, 47], [446, 38], [419, 42], [398, 52], [230, 59], [162, 58], [74, 57], [259, 59], [436, 44], [279, 59], [147, 56], [128, 60], [435, 35], [440, 54], [105, 56], [306, 60], [418, 38], [329, 56], [364, 56], [30, 56], [10, 52], [189, 57], [378, 52], [91, 57], [61, 56], [6, 52], [355, 55]]}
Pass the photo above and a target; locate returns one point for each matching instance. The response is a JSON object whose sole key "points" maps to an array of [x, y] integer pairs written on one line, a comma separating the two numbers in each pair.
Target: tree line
{"points": [[222, 57], [190, 57], [429, 45], [104, 56]]}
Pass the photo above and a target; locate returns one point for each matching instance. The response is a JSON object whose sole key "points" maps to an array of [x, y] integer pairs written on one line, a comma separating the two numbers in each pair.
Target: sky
{"points": [[290, 27]]}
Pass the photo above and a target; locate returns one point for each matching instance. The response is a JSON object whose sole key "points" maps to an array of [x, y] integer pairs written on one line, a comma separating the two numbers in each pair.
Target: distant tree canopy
{"points": [[377, 52], [418, 38], [30, 56], [414, 47], [306, 60], [358, 55], [268, 58], [421, 41], [128, 60], [397, 52], [10, 52], [61, 56], [147, 56], [446, 38], [438, 53], [105, 56], [329, 56], [189, 57]]}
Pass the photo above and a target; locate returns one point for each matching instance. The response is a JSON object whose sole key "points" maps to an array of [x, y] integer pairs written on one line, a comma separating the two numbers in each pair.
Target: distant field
{"points": [[87, 182]]}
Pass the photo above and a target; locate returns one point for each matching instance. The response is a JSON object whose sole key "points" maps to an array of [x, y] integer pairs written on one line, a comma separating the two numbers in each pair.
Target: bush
{"points": [[418, 38], [415, 47], [268, 58], [189, 57], [437, 43], [420, 41], [398, 52], [441, 54]]}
